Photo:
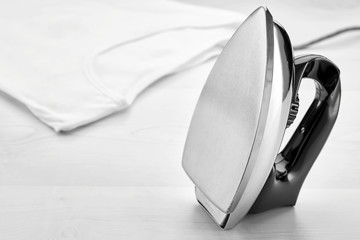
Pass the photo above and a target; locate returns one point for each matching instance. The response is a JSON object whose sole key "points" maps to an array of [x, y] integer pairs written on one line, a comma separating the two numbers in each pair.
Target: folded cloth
{"points": [[73, 62]]}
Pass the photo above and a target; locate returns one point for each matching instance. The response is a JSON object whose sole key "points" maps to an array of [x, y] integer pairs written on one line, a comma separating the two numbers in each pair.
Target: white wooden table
{"points": [[121, 177]]}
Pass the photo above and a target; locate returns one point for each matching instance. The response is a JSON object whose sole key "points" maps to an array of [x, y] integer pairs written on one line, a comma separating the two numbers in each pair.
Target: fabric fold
{"points": [[72, 63]]}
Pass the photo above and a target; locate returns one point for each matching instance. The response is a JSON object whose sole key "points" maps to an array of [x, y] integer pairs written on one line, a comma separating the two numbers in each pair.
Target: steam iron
{"points": [[232, 151]]}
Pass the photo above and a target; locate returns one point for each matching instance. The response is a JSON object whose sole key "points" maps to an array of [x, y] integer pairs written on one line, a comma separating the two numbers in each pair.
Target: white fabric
{"points": [[74, 62]]}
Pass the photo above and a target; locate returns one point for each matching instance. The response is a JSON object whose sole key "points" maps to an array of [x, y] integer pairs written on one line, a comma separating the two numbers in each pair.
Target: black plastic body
{"points": [[282, 189]]}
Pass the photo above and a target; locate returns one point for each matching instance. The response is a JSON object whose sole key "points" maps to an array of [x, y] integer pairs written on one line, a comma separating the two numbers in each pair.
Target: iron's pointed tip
{"points": [[262, 8]]}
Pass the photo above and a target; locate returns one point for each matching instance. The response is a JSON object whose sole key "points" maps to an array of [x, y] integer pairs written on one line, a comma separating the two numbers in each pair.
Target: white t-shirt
{"points": [[74, 62]]}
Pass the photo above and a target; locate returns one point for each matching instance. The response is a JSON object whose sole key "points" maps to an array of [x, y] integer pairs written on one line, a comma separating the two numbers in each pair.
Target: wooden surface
{"points": [[165, 213], [121, 177]]}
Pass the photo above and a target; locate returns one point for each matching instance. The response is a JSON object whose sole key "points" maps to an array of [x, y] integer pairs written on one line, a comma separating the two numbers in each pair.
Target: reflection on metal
{"points": [[236, 131]]}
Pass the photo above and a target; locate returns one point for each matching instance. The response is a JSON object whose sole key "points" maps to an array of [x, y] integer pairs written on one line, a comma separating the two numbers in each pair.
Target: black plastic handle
{"points": [[283, 185]]}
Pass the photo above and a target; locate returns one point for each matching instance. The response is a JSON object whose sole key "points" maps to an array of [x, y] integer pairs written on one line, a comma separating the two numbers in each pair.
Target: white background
{"points": [[121, 177]]}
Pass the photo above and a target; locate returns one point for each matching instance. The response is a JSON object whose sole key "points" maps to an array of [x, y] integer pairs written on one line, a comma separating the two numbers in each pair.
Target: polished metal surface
{"points": [[229, 115], [240, 119], [274, 128]]}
